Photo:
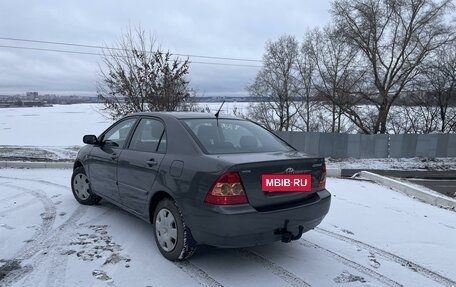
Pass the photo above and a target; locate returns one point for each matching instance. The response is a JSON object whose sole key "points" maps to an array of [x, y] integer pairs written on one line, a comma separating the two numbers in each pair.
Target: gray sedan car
{"points": [[203, 180]]}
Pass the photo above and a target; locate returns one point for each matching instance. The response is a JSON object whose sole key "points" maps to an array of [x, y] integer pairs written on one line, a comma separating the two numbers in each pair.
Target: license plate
{"points": [[286, 182]]}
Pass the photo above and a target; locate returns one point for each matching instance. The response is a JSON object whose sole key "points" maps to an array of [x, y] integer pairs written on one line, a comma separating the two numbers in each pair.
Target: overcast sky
{"points": [[222, 28]]}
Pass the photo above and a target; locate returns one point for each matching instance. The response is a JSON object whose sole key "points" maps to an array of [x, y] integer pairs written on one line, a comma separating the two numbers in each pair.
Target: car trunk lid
{"points": [[251, 167]]}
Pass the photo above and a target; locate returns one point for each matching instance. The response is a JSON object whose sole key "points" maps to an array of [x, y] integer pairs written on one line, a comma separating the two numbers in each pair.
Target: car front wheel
{"points": [[80, 186], [171, 234]]}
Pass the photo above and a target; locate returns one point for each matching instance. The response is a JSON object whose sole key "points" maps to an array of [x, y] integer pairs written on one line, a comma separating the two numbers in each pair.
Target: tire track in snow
{"points": [[197, 274], [38, 180], [42, 241], [48, 218], [61, 239], [277, 270], [347, 262], [56, 267], [387, 255], [57, 262]]}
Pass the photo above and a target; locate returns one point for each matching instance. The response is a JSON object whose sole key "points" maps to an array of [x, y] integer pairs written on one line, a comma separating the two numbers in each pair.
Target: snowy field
{"points": [[63, 125], [373, 236], [55, 133], [60, 125]]}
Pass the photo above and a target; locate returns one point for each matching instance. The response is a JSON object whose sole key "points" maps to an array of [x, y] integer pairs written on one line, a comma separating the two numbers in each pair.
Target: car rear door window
{"points": [[149, 136]]}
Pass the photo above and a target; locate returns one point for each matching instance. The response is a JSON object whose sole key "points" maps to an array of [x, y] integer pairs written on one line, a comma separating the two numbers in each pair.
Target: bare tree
{"points": [[419, 115], [138, 76], [439, 79], [276, 85], [338, 74], [394, 37], [305, 67]]}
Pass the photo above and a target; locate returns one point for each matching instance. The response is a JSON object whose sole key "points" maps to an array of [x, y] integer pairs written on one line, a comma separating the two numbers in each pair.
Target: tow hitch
{"points": [[287, 236]]}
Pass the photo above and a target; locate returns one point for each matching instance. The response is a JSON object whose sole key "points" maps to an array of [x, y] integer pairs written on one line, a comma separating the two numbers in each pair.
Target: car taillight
{"points": [[322, 183], [226, 190]]}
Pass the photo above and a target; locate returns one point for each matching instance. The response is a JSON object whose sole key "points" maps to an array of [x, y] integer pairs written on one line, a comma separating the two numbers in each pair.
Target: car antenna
{"points": [[218, 112]]}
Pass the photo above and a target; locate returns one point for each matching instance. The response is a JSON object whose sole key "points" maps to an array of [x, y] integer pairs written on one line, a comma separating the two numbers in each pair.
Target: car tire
{"points": [[172, 236], [80, 186]]}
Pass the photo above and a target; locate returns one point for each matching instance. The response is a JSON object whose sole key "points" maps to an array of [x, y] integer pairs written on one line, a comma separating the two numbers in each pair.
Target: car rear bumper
{"points": [[243, 226]]}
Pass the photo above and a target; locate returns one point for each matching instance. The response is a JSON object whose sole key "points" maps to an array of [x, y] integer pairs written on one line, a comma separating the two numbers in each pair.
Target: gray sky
{"points": [[223, 28]]}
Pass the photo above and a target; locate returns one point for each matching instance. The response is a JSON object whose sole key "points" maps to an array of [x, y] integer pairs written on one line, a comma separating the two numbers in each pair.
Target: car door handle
{"points": [[114, 156], [151, 163]]}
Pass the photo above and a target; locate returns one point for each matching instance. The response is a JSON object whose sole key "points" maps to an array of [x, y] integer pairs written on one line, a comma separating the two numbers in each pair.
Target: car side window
{"points": [[149, 136], [118, 134]]}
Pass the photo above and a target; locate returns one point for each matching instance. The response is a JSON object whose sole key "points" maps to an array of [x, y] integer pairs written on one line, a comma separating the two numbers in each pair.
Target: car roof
{"points": [[185, 115]]}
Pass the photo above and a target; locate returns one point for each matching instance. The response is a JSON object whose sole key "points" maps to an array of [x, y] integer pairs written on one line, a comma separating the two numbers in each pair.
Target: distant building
{"points": [[31, 95]]}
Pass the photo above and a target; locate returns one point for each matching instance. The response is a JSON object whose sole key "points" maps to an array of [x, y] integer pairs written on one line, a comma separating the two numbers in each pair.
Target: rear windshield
{"points": [[234, 136]]}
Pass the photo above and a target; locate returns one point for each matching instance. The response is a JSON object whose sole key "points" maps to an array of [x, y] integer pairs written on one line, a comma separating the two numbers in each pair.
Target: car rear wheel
{"points": [[80, 186], [171, 234]]}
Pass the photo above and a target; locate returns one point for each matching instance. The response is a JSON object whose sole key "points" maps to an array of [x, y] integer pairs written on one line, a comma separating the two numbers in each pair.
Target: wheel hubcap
{"points": [[81, 186], [166, 229]]}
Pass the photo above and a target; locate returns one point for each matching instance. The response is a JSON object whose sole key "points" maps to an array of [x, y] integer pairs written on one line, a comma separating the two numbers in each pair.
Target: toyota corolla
{"points": [[203, 180]]}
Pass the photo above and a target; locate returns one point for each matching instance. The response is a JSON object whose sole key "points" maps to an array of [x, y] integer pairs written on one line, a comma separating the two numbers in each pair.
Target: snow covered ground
{"points": [[60, 125], [373, 236]]}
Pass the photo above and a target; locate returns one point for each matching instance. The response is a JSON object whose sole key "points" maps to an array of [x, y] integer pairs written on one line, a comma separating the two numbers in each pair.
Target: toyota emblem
{"points": [[289, 170]]}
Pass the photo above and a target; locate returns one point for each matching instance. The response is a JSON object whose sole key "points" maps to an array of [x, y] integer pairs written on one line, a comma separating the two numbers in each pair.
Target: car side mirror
{"points": [[90, 139]]}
